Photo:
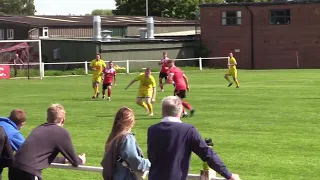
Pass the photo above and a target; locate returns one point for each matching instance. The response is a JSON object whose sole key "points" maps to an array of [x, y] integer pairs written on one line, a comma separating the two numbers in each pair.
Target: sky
{"points": [[66, 7]]}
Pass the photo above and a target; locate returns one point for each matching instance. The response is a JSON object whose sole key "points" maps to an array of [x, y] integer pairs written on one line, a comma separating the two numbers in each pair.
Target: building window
{"points": [[1, 33], [231, 18], [10, 34], [280, 16]]}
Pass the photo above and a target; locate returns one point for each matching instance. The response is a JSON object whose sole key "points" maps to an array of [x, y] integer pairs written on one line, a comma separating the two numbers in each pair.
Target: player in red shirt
{"points": [[109, 77], [164, 68], [176, 75]]}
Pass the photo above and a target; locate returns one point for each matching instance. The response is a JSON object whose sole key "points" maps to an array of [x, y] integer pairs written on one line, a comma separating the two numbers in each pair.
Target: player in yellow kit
{"points": [[147, 90], [232, 65], [97, 65]]}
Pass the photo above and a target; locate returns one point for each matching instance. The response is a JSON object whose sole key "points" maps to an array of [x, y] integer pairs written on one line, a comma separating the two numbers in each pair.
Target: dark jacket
{"points": [[6, 152], [41, 148], [170, 144]]}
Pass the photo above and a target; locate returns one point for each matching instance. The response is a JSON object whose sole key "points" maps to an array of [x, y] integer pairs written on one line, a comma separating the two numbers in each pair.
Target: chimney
{"points": [[143, 33], [97, 28], [150, 28]]}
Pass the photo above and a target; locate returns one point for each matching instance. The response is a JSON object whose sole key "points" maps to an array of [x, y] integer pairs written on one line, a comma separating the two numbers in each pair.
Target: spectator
{"points": [[171, 142], [6, 152], [17, 61], [123, 157], [11, 126], [42, 146]]}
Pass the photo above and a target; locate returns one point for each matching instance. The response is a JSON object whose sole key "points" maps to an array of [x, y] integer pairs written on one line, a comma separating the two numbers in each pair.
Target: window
{"points": [[231, 18], [1, 33], [280, 16], [10, 34]]}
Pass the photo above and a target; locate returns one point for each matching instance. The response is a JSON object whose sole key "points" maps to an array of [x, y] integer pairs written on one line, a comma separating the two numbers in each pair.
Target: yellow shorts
{"points": [[233, 73], [144, 94], [96, 79]]}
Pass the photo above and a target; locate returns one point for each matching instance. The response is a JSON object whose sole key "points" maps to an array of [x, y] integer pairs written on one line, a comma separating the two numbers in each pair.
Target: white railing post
{"points": [[42, 67], [128, 66], [86, 66], [200, 63]]}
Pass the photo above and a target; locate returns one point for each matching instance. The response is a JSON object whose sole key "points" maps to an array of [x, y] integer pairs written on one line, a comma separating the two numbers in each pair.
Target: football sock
{"points": [[237, 82], [228, 79], [96, 91], [150, 108], [104, 92], [143, 104], [161, 86], [109, 92], [186, 105]]}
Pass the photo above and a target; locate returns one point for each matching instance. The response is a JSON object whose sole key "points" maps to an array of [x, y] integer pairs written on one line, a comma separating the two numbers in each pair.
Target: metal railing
{"points": [[126, 63], [99, 170]]}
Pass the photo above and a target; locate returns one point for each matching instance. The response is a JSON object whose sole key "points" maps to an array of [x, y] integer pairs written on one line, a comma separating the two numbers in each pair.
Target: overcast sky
{"points": [[77, 7]]}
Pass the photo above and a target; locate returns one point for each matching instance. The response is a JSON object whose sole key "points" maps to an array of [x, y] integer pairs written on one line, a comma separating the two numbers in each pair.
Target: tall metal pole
{"points": [[147, 14]]}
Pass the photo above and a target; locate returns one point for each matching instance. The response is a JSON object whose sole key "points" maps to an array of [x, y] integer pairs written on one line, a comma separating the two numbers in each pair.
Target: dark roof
{"points": [[41, 21], [275, 2]]}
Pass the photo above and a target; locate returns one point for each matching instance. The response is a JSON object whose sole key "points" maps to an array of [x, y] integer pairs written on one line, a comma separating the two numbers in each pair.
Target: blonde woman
{"points": [[123, 157]]}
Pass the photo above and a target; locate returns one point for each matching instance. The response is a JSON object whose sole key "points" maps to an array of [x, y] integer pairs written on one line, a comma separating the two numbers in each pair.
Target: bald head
{"points": [[172, 106]]}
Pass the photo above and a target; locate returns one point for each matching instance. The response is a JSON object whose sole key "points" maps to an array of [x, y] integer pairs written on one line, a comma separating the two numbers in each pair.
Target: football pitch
{"points": [[267, 129]]}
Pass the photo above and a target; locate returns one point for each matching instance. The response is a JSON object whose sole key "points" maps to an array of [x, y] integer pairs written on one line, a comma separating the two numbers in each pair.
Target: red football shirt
{"points": [[164, 65], [108, 74], [178, 78]]}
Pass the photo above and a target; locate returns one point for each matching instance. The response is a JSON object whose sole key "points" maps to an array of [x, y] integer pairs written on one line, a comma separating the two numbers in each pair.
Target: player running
{"points": [[164, 68], [181, 85], [109, 76], [147, 90], [97, 65], [232, 66]]}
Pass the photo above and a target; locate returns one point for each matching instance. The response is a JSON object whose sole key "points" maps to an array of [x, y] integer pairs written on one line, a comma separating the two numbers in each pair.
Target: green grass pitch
{"points": [[267, 129]]}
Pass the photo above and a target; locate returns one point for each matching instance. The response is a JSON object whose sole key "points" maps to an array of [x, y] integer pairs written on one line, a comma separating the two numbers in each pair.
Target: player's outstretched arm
{"points": [[186, 81], [133, 81], [153, 95], [114, 80]]}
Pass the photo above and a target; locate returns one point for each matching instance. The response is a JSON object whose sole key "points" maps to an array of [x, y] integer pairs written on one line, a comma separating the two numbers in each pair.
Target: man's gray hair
{"points": [[172, 106]]}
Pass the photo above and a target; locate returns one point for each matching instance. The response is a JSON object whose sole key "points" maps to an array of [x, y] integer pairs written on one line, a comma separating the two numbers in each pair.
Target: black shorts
{"points": [[163, 75], [180, 93], [105, 85]]}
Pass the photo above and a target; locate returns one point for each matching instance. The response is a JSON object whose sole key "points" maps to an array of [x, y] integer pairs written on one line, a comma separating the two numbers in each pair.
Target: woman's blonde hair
{"points": [[123, 121]]}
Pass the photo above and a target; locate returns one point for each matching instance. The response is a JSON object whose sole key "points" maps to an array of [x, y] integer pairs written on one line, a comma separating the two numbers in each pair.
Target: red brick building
{"points": [[263, 35]]}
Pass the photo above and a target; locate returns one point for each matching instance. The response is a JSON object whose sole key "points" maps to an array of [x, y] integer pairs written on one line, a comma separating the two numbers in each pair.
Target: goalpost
{"points": [[23, 57]]}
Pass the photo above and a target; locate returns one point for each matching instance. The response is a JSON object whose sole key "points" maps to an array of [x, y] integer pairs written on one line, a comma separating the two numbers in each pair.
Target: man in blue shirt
{"points": [[12, 126], [171, 142]]}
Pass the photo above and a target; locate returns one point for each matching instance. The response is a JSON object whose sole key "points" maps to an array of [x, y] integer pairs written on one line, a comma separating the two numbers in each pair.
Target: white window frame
{"points": [[224, 18], [1, 33], [10, 33]]}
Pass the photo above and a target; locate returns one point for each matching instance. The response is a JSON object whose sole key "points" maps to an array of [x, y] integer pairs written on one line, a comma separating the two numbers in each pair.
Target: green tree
{"points": [[102, 12], [185, 9], [17, 7]]}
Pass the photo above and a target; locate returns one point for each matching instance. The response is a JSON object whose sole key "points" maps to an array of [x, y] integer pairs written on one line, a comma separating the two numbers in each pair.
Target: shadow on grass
{"points": [[106, 116], [310, 98], [86, 99], [148, 118]]}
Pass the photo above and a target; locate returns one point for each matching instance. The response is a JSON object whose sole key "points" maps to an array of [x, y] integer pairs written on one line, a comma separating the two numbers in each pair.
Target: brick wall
{"points": [[275, 46]]}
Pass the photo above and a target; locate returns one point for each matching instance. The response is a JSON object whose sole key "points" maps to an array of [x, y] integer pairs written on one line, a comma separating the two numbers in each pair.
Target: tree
{"points": [[17, 7], [185, 9], [102, 12]]}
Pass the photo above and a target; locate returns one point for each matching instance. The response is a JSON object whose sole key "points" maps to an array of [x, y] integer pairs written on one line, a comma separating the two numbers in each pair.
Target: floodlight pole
{"points": [[147, 14]]}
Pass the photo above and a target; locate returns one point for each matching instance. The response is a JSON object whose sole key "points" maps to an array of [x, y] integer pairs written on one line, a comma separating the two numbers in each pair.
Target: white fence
{"points": [[201, 176], [126, 63]]}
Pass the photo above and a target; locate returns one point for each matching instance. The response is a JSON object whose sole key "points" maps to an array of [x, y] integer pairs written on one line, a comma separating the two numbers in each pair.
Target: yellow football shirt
{"points": [[233, 61], [99, 65], [146, 83]]}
